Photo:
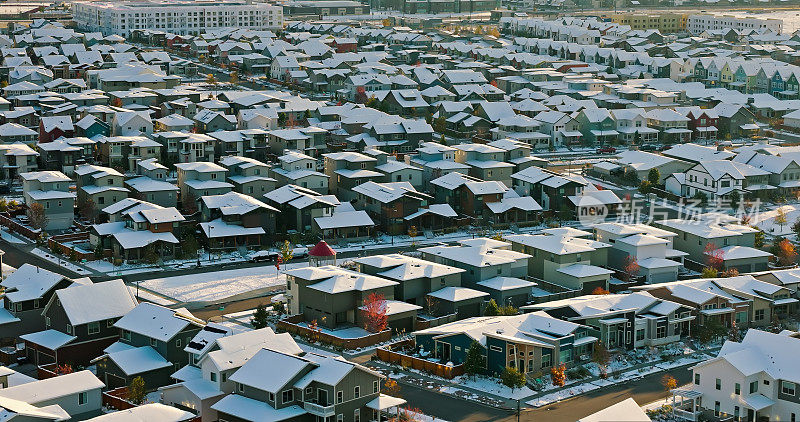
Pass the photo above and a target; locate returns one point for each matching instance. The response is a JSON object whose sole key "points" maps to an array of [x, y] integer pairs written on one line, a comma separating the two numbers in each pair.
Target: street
{"points": [[646, 390]]}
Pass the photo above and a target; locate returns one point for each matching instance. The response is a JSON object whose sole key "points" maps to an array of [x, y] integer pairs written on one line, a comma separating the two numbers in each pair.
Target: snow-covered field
{"points": [[765, 220], [493, 386], [218, 285]]}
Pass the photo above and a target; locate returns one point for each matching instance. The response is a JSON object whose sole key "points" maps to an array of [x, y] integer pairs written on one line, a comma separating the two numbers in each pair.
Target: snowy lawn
{"points": [[59, 261], [218, 285], [765, 220], [492, 386], [12, 238], [348, 332], [150, 297]]}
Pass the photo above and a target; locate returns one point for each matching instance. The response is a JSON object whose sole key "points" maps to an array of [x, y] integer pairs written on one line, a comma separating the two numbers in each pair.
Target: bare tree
{"points": [[37, 216]]}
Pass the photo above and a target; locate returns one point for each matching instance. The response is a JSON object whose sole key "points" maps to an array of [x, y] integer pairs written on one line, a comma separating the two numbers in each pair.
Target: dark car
{"points": [[606, 150]]}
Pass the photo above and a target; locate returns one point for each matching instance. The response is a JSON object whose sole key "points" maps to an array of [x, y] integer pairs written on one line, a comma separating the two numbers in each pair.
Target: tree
{"points": [[709, 330], [512, 378], [491, 308], [375, 318], [136, 391], [189, 245], [669, 382], [780, 217], [730, 272], [508, 310], [796, 226], [211, 79], [412, 233], [431, 305], [758, 240], [654, 176], [313, 331], [735, 198], [260, 317], [558, 374], [151, 255], [37, 216], [287, 251], [630, 268], [714, 256], [601, 357], [709, 272], [391, 387], [234, 77], [474, 362], [785, 253], [733, 333], [600, 291], [701, 198], [87, 209], [189, 204]]}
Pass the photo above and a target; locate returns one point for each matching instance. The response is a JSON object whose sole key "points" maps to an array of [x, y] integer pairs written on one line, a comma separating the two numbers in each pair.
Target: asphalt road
{"points": [[646, 390]]}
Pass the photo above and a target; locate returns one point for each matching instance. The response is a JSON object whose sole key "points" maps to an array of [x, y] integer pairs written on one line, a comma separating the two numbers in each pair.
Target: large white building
{"points": [[179, 17], [706, 21]]}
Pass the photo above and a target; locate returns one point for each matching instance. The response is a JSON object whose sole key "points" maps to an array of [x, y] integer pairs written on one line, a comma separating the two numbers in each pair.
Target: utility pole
{"points": [[517, 410]]}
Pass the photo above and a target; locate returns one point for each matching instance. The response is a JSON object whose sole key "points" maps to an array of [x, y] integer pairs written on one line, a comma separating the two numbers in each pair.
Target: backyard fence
{"points": [[292, 325], [393, 354]]}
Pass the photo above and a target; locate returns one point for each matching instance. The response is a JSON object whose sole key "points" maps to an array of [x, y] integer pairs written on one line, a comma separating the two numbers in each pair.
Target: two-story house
{"points": [[98, 187], [26, 292], [248, 175], [51, 190]]}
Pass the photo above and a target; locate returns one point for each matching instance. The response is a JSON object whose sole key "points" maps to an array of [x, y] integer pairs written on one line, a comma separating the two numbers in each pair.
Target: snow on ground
{"points": [[493, 386], [348, 332], [59, 261], [150, 297], [11, 238], [415, 416], [218, 285], [766, 220], [562, 394]]}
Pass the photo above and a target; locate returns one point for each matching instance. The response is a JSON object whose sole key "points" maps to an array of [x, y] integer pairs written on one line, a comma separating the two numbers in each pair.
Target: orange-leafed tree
{"points": [[630, 268], [558, 374], [669, 382], [600, 291], [785, 253], [375, 316], [391, 387]]}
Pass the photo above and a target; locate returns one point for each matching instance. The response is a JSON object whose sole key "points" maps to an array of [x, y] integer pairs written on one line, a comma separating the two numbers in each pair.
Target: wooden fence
{"points": [[393, 354], [17, 227], [423, 324], [292, 325], [57, 244], [117, 399]]}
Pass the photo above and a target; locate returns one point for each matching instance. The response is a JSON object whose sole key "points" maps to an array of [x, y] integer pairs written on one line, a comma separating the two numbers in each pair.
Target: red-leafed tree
{"points": [[786, 253], [375, 317], [600, 291], [361, 95], [714, 256]]}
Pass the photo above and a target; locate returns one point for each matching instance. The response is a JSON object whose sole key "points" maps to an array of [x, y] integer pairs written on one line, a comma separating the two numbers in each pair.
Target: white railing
{"points": [[319, 410]]}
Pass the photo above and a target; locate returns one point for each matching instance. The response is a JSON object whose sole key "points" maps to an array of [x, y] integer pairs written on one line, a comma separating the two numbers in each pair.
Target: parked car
{"points": [[262, 256], [606, 150], [647, 147], [300, 252]]}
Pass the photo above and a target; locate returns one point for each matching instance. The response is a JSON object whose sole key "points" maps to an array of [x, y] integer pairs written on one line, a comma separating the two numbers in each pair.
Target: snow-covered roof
{"points": [[138, 360], [625, 411], [51, 389], [29, 282], [157, 322], [457, 294], [147, 412], [254, 410], [49, 339], [95, 302]]}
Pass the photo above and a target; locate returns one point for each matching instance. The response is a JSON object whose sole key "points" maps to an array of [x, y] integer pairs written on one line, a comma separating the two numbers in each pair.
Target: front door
{"points": [[751, 415]]}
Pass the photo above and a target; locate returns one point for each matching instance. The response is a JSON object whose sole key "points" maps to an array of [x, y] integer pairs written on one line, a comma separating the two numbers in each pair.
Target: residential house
{"points": [[51, 190], [27, 290], [232, 219]]}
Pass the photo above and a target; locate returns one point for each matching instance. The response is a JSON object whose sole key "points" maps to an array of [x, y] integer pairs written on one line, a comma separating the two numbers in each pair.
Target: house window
{"points": [[83, 398], [495, 349], [565, 355], [47, 321], [546, 361], [271, 397], [759, 314], [153, 342], [339, 396], [356, 392], [126, 335], [787, 388], [177, 342], [736, 413], [213, 376], [287, 396], [697, 379], [36, 303], [716, 408], [374, 387], [241, 388], [69, 329], [109, 323], [753, 387], [224, 376], [737, 389], [340, 418], [718, 384], [357, 415], [639, 335], [94, 328]]}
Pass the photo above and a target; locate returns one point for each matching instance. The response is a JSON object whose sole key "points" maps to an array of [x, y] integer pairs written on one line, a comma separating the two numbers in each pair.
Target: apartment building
{"points": [[701, 22]]}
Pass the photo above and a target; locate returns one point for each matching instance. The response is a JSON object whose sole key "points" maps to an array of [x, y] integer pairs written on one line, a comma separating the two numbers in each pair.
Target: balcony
{"points": [[319, 410]]}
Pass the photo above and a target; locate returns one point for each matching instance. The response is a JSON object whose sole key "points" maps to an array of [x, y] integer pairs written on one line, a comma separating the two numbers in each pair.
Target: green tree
{"points": [[474, 362], [260, 317], [512, 378], [654, 176], [735, 198], [151, 254], [709, 272], [491, 309], [137, 391], [701, 197], [189, 245], [645, 186], [709, 330], [758, 240]]}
